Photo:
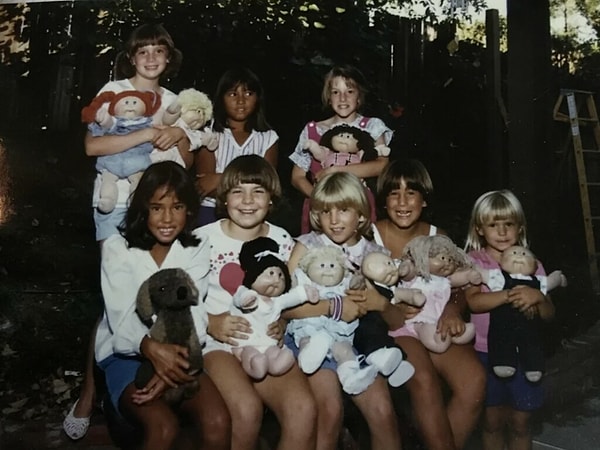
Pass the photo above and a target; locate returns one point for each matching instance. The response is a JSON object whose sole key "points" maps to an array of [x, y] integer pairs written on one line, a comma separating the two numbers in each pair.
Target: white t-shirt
{"points": [[123, 271]]}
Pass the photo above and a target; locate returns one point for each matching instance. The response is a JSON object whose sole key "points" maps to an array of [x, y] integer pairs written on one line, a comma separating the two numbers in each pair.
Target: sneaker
{"points": [[313, 353], [402, 374], [504, 371], [386, 359], [355, 379]]}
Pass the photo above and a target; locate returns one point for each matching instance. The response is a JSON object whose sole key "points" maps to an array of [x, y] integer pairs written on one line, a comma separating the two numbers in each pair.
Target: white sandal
{"points": [[75, 427]]}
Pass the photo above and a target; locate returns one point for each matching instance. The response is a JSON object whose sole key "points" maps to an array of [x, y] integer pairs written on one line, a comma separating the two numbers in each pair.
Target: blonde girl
{"points": [[404, 192], [248, 189], [497, 223], [239, 110], [340, 215], [343, 94]]}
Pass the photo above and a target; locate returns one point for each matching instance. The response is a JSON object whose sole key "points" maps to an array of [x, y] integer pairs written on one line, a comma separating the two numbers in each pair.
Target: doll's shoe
{"points": [[386, 359], [313, 353], [355, 379], [533, 375], [402, 374], [504, 371], [75, 427]]}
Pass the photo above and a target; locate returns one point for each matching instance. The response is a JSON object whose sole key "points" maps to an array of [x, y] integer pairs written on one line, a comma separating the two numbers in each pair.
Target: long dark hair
{"points": [[231, 79], [160, 175], [365, 141]]}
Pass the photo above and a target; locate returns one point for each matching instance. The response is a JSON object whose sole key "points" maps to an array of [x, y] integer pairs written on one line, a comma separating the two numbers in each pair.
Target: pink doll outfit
{"points": [[437, 292]]}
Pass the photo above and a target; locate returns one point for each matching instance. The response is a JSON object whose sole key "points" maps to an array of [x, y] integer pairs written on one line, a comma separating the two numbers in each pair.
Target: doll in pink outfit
{"points": [[436, 265]]}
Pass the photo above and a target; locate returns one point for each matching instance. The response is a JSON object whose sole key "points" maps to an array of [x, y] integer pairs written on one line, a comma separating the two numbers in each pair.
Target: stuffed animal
{"points": [[513, 337], [193, 110], [329, 336], [127, 111], [434, 265], [265, 292], [343, 145], [163, 304]]}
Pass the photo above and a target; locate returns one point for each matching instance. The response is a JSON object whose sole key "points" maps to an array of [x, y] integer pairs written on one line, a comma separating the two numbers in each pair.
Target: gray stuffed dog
{"points": [[163, 304]]}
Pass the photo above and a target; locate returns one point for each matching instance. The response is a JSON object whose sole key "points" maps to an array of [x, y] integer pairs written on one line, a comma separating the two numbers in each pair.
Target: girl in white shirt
{"points": [[157, 234], [248, 188]]}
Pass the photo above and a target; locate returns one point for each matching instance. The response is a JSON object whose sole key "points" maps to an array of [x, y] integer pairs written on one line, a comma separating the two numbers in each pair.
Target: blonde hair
{"points": [[421, 248], [340, 190], [495, 205]]}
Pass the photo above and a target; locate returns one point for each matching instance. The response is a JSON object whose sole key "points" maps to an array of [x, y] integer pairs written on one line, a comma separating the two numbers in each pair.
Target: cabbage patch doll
{"points": [[127, 111]]}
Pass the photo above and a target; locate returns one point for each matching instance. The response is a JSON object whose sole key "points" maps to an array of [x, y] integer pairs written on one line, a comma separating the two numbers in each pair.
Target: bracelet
{"points": [[336, 305]]}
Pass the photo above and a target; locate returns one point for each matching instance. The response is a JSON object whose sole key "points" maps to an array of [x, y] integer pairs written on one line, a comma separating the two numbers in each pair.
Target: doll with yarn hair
{"points": [[127, 111], [323, 337], [434, 265], [265, 291]]}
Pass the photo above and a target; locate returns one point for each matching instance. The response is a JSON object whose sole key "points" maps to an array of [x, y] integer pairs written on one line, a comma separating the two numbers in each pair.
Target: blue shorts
{"points": [[107, 224], [328, 363], [517, 391], [119, 372]]}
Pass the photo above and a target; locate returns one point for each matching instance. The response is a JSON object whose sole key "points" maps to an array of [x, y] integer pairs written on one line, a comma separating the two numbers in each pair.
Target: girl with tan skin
{"points": [[248, 188], [403, 191]]}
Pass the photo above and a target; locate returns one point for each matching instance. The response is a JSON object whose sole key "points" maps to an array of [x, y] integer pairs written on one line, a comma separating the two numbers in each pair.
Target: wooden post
{"points": [[494, 104], [530, 100]]}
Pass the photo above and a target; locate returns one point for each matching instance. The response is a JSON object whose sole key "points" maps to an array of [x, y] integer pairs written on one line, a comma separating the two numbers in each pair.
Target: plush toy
{"points": [[343, 145], [265, 292], [434, 265], [127, 111], [193, 110], [163, 304], [513, 336], [328, 336]]}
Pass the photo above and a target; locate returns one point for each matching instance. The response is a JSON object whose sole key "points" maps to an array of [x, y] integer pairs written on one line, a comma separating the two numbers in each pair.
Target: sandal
{"points": [[75, 427]]}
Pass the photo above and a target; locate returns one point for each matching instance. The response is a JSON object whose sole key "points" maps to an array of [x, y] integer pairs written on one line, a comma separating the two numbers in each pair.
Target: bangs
{"points": [[334, 201], [498, 209]]}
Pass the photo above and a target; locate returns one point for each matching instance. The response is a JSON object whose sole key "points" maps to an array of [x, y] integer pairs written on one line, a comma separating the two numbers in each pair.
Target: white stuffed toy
{"points": [[193, 110]]}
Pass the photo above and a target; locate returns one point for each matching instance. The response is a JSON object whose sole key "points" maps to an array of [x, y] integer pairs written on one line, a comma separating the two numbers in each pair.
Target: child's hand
{"points": [[353, 307], [410, 312], [206, 183], [170, 361], [227, 328], [276, 330], [153, 390], [523, 297], [167, 137], [369, 298], [450, 322]]}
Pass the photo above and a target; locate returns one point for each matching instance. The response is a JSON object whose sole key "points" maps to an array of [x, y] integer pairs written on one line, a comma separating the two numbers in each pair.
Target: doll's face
{"points": [[381, 268], [130, 107], [271, 282], [193, 115], [326, 271], [518, 260], [442, 264], [344, 143]]}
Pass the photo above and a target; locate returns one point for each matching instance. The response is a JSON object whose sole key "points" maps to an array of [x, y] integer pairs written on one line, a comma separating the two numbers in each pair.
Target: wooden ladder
{"points": [[582, 116]]}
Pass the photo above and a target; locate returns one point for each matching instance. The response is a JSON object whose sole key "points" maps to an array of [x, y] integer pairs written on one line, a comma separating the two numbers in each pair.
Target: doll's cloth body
{"points": [[133, 160], [309, 326], [437, 292], [268, 310], [333, 158], [512, 337]]}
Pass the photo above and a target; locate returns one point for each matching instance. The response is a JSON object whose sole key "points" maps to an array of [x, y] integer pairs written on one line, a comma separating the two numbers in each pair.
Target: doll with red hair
{"points": [[127, 111]]}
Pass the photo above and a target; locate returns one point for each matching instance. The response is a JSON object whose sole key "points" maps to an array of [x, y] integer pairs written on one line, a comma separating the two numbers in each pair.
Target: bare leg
{"points": [[495, 420], [376, 406], [426, 397], [210, 416], [458, 364], [290, 398], [328, 395], [519, 432]]}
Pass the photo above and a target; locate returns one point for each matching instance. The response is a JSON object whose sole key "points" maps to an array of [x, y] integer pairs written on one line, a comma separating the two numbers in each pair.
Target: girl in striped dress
{"points": [[243, 130]]}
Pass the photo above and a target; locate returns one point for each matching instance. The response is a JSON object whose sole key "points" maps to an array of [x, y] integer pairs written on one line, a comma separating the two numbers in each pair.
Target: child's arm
{"points": [[207, 179], [451, 322], [113, 144], [272, 154], [365, 169], [300, 182], [482, 302]]}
